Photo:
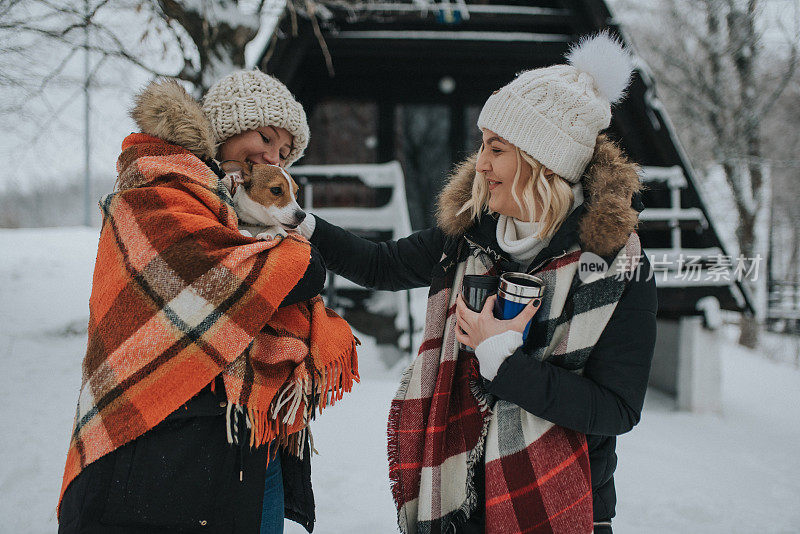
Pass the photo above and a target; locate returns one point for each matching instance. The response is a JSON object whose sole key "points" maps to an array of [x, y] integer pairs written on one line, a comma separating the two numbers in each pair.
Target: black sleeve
{"points": [[607, 399], [312, 282], [391, 265]]}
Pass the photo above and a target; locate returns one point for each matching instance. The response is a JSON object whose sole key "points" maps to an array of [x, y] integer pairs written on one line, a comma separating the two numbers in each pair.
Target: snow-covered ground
{"points": [[738, 471]]}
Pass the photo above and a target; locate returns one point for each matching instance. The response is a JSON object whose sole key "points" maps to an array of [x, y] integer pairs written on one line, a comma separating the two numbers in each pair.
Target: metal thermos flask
{"points": [[515, 291]]}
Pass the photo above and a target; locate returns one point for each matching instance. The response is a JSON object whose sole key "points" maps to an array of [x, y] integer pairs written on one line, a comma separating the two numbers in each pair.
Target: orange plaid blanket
{"points": [[179, 296]]}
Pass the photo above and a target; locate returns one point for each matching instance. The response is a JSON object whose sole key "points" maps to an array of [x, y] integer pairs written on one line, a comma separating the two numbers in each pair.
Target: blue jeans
{"points": [[272, 507]]}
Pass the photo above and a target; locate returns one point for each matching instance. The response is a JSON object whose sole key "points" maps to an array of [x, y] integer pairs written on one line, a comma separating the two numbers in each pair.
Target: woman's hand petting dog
{"points": [[473, 328]]}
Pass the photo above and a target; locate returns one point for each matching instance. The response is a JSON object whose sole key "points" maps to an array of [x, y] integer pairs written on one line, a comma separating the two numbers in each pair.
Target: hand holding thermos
{"points": [[502, 322]]}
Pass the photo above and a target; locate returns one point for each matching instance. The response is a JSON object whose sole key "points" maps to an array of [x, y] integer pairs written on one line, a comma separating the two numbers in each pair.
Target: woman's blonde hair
{"points": [[554, 193]]}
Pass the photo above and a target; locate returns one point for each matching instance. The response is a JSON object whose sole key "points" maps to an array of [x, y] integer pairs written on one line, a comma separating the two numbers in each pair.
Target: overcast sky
{"points": [[47, 146]]}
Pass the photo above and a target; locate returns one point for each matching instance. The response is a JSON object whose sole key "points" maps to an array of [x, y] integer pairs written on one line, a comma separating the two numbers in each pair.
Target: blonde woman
{"points": [[520, 436]]}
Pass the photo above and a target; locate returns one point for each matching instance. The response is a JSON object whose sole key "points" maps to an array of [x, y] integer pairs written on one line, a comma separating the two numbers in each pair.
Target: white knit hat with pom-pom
{"points": [[249, 99], [555, 113]]}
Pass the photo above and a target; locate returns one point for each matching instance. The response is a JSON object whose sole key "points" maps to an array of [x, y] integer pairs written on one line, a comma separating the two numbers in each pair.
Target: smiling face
{"points": [[498, 162], [267, 144]]}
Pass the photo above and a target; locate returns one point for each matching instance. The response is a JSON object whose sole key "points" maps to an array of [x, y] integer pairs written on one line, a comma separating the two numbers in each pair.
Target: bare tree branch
{"points": [[318, 32], [788, 75], [718, 77]]}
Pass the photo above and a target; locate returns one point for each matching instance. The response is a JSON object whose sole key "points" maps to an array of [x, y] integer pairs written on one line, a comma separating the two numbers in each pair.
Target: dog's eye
{"points": [[276, 190]]}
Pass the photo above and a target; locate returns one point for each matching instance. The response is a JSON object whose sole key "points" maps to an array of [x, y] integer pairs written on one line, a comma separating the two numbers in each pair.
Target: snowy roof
{"points": [[672, 176], [455, 35], [461, 7]]}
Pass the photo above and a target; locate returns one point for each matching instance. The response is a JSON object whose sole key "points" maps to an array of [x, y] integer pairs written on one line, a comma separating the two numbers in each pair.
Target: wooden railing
{"points": [[784, 300]]}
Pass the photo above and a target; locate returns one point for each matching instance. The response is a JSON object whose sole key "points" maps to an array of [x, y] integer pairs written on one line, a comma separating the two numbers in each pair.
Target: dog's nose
{"points": [[299, 216]]}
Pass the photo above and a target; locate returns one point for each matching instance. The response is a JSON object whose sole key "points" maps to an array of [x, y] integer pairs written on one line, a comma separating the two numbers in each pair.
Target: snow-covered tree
{"points": [[197, 41], [211, 35], [783, 136], [723, 83]]}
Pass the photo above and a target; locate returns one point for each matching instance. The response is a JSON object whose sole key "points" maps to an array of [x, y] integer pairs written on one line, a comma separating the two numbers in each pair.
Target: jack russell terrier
{"points": [[264, 197]]}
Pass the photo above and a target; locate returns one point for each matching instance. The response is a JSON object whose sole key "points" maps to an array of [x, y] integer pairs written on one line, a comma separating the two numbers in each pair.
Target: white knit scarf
{"points": [[520, 238]]}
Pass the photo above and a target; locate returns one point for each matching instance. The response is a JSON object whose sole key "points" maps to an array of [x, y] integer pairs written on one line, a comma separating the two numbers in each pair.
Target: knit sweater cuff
{"points": [[493, 351], [306, 228]]}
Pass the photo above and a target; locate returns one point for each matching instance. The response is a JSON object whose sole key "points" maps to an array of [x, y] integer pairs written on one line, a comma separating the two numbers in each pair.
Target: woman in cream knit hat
{"points": [[255, 117], [518, 436], [171, 378]]}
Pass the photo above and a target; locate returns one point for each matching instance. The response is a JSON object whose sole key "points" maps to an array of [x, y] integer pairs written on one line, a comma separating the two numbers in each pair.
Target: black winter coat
{"points": [[602, 403], [183, 476]]}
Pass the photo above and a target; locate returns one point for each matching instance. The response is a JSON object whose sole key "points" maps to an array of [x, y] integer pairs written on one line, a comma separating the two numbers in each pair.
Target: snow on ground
{"points": [[45, 278], [738, 471], [734, 472]]}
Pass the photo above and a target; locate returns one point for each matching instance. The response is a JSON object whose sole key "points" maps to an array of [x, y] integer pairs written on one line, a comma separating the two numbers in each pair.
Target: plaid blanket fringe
{"points": [[308, 390]]}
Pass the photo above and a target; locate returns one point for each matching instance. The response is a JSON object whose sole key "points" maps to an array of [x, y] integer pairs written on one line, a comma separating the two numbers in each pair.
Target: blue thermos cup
{"points": [[515, 291]]}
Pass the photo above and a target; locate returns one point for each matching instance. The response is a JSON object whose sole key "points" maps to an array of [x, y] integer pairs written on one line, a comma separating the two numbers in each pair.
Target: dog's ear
{"points": [[236, 171]]}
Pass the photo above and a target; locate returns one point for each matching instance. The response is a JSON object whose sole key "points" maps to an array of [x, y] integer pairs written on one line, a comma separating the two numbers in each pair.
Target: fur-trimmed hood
{"points": [[609, 182], [165, 110]]}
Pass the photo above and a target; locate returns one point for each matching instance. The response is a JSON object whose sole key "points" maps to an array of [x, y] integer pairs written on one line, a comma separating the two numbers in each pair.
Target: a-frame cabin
{"points": [[405, 81]]}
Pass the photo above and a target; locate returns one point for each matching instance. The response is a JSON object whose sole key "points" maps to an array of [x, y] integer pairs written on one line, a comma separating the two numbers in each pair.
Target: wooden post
{"points": [[386, 124], [458, 135]]}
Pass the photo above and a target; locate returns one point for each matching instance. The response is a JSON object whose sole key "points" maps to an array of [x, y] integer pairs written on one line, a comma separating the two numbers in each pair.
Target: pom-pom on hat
{"points": [[249, 99], [555, 113]]}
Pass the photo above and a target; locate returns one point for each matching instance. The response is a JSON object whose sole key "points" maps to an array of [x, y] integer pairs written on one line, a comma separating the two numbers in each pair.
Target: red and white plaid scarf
{"points": [[441, 420]]}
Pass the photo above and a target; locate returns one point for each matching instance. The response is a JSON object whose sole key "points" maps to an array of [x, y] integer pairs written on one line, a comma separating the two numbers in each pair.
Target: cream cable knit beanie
{"points": [[555, 113], [249, 99]]}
